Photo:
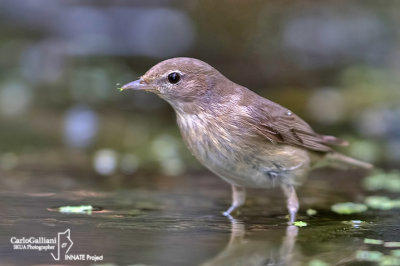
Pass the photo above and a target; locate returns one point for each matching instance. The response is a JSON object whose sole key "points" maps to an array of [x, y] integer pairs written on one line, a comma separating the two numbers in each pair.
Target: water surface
{"points": [[163, 220]]}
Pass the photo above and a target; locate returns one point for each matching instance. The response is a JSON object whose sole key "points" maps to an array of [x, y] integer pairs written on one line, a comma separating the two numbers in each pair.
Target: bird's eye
{"points": [[174, 77]]}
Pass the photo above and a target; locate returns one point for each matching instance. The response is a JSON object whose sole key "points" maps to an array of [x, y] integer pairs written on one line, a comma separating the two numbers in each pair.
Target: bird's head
{"points": [[180, 81]]}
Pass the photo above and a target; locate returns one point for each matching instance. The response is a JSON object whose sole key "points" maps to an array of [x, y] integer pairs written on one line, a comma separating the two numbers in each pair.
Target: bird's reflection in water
{"points": [[274, 246]]}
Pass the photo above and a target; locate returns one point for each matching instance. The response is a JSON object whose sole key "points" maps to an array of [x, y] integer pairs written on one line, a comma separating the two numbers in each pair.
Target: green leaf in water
{"points": [[76, 209], [349, 208], [373, 241], [300, 223]]}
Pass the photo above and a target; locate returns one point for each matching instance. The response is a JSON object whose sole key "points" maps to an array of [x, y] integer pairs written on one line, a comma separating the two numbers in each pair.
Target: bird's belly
{"points": [[237, 162], [253, 170]]}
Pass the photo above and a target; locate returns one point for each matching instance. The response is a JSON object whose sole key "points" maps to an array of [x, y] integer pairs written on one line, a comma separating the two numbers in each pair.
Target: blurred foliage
{"points": [[382, 202], [379, 179], [348, 208]]}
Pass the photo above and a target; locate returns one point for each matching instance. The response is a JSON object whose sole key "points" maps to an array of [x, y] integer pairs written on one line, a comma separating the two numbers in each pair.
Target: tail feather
{"points": [[339, 160]]}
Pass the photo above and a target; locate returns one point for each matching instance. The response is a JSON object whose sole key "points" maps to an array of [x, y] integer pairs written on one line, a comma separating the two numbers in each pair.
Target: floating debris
{"points": [[348, 208], [366, 255], [76, 209], [311, 212], [373, 241], [300, 224], [382, 202], [380, 180]]}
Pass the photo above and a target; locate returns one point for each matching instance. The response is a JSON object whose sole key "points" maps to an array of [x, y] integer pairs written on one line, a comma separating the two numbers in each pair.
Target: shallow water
{"points": [[178, 221]]}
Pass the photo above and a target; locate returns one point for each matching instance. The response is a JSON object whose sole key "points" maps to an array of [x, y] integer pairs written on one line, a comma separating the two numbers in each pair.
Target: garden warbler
{"points": [[245, 139]]}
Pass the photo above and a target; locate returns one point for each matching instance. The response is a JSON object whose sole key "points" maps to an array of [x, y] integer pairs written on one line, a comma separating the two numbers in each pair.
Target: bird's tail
{"points": [[342, 161]]}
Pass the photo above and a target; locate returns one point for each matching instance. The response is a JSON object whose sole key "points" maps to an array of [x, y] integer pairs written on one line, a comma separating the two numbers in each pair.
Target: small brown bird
{"points": [[242, 137]]}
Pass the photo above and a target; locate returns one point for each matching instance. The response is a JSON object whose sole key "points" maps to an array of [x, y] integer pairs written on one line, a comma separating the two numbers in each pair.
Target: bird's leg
{"points": [[292, 201], [238, 198]]}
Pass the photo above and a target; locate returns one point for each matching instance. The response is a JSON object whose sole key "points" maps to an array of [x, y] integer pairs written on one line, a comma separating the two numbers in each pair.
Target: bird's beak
{"points": [[135, 85]]}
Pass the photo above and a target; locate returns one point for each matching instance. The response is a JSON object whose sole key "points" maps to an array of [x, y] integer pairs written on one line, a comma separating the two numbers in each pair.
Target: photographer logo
{"points": [[59, 247]]}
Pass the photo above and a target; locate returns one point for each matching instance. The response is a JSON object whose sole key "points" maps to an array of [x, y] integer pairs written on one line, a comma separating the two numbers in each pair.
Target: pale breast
{"points": [[238, 158]]}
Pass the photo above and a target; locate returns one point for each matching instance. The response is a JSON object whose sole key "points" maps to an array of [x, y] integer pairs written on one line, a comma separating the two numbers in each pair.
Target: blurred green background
{"points": [[335, 63]]}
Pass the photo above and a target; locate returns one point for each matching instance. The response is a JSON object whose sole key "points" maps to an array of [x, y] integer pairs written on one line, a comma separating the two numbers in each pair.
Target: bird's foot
{"points": [[229, 211]]}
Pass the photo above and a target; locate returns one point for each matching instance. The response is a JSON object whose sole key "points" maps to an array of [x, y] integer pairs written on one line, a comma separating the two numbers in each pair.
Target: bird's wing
{"points": [[280, 125]]}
